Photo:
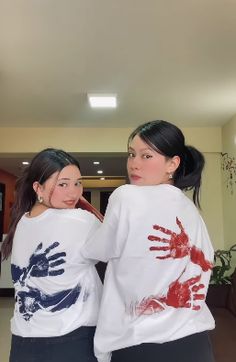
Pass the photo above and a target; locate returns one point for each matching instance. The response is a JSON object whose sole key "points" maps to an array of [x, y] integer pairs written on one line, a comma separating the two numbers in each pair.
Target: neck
{"points": [[37, 209]]}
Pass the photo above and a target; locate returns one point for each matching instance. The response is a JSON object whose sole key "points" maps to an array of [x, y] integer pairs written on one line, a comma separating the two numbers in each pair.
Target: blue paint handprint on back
{"points": [[42, 264]]}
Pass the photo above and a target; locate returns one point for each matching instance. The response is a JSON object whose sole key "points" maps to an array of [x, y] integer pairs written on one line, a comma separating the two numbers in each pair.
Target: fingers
{"points": [[39, 247], [156, 248], [165, 231], [56, 263], [163, 257], [56, 256], [196, 288], [156, 238], [54, 245], [193, 280], [56, 272], [178, 222], [198, 296]]}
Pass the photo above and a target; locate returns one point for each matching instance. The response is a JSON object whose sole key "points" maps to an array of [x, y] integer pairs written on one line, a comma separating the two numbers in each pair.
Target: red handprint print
{"points": [[197, 257], [178, 243], [149, 305], [180, 294]]}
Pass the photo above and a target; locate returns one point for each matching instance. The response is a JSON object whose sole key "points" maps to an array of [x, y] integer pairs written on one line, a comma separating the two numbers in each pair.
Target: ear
{"points": [[173, 164], [36, 186]]}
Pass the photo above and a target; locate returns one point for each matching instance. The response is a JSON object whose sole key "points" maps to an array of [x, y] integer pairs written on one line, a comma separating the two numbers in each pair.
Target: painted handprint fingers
{"points": [[54, 245], [178, 222], [56, 272], [198, 296], [57, 262], [196, 288], [157, 238], [163, 257], [196, 307], [56, 256], [193, 280], [161, 248], [164, 230], [39, 247], [157, 248]]}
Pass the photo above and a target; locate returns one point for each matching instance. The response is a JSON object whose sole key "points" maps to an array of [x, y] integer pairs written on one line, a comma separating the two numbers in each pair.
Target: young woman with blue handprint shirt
{"points": [[159, 256], [57, 291]]}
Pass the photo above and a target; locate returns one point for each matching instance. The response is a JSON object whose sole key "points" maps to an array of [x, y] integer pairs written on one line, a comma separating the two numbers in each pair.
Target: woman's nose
{"points": [[134, 164], [74, 191]]}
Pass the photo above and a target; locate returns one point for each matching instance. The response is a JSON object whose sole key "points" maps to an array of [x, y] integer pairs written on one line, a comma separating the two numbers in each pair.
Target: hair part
{"points": [[168, 140], [41, 168]]}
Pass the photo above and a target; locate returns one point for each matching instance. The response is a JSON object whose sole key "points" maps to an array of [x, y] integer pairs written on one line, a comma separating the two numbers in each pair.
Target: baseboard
{"points": [[7, 292]]}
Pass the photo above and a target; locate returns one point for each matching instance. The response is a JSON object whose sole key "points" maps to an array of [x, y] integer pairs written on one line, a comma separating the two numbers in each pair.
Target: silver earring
{"points": [[170, 176], [40, 199]]}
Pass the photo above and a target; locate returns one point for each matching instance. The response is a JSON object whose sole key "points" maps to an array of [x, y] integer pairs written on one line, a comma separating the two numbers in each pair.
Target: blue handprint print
{"points": [[42, 264]]}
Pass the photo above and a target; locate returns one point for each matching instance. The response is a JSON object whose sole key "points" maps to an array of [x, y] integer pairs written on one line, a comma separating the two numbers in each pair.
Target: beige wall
{"points": [[229, 193], [208, 140], [92, 139], [211, 198]]}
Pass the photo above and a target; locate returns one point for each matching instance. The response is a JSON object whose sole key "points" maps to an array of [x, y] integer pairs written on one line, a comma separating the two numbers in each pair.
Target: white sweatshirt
{"points": [[159, 263], [56, 289]]}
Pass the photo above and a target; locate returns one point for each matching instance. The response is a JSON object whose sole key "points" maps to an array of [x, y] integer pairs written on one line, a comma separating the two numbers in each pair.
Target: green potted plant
{"points": [[220, 281]]}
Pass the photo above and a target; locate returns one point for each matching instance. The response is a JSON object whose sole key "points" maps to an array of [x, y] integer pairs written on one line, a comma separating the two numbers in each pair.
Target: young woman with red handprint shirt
{"points": [[159, 255]]}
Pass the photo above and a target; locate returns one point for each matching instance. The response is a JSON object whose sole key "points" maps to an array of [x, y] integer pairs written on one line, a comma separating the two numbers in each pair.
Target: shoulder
{"points": [[75, 215]]}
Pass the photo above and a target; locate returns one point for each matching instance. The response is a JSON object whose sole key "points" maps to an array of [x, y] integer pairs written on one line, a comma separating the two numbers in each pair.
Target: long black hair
{"points": [[42, 166], [168, 140]]}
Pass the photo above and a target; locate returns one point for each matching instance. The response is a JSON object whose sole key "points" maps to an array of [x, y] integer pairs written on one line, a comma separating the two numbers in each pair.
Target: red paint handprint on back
{"points": [[178, 243], [179, 246], [179, 295]]}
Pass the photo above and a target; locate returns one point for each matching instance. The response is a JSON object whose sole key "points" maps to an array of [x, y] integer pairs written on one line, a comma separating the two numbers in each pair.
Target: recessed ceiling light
{"points": [[96, 162], [25, 163], [102, 100], [99, 171]]}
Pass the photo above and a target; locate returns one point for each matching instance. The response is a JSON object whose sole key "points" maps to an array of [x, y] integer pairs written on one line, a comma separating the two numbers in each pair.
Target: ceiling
{"points": [[172, 60]]}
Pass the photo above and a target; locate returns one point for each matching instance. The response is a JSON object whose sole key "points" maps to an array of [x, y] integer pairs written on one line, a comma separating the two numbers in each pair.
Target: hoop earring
{"points": [[40, 199]]}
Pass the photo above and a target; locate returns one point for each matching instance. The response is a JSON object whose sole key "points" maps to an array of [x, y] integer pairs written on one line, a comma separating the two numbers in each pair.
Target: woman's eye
{"points": [[78, 183], [147, 156], [63, 184], [130, 154]]}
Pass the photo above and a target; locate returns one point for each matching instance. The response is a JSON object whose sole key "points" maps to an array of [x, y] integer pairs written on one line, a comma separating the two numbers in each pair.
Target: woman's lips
{"points": [[135, 177], [70, 203]]}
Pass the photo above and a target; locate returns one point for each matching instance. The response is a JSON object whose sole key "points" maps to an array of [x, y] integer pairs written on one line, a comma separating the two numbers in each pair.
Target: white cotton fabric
{"points": [[51, 303], [134, 273]]}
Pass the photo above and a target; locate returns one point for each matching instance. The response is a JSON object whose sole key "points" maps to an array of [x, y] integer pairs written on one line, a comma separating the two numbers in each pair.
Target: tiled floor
{"points": [[6, 311]]}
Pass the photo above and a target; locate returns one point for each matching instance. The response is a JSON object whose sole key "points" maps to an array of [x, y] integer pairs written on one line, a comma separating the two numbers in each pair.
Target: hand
{"points": [[180, 295], [41, 265], [178, 243]]}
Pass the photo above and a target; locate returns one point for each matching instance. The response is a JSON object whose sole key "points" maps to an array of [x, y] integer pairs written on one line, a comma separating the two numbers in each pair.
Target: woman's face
{"points": [[63, 189], [147, 167]]}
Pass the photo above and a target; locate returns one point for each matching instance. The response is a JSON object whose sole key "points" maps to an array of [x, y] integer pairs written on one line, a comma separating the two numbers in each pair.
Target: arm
{"points": [[105, 243], [85, 205]]}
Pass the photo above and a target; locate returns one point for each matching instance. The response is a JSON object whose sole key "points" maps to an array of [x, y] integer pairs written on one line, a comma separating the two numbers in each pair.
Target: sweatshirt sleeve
{"points": [[107, 240]]}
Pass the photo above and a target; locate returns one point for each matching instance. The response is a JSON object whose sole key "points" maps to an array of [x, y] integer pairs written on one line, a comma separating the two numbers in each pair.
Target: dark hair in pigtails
{"points": [[43, 165], [168, 140]]}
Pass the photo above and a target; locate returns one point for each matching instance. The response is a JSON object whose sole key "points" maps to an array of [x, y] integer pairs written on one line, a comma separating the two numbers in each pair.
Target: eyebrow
{"points": [[142, 149], [68, 179]]}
